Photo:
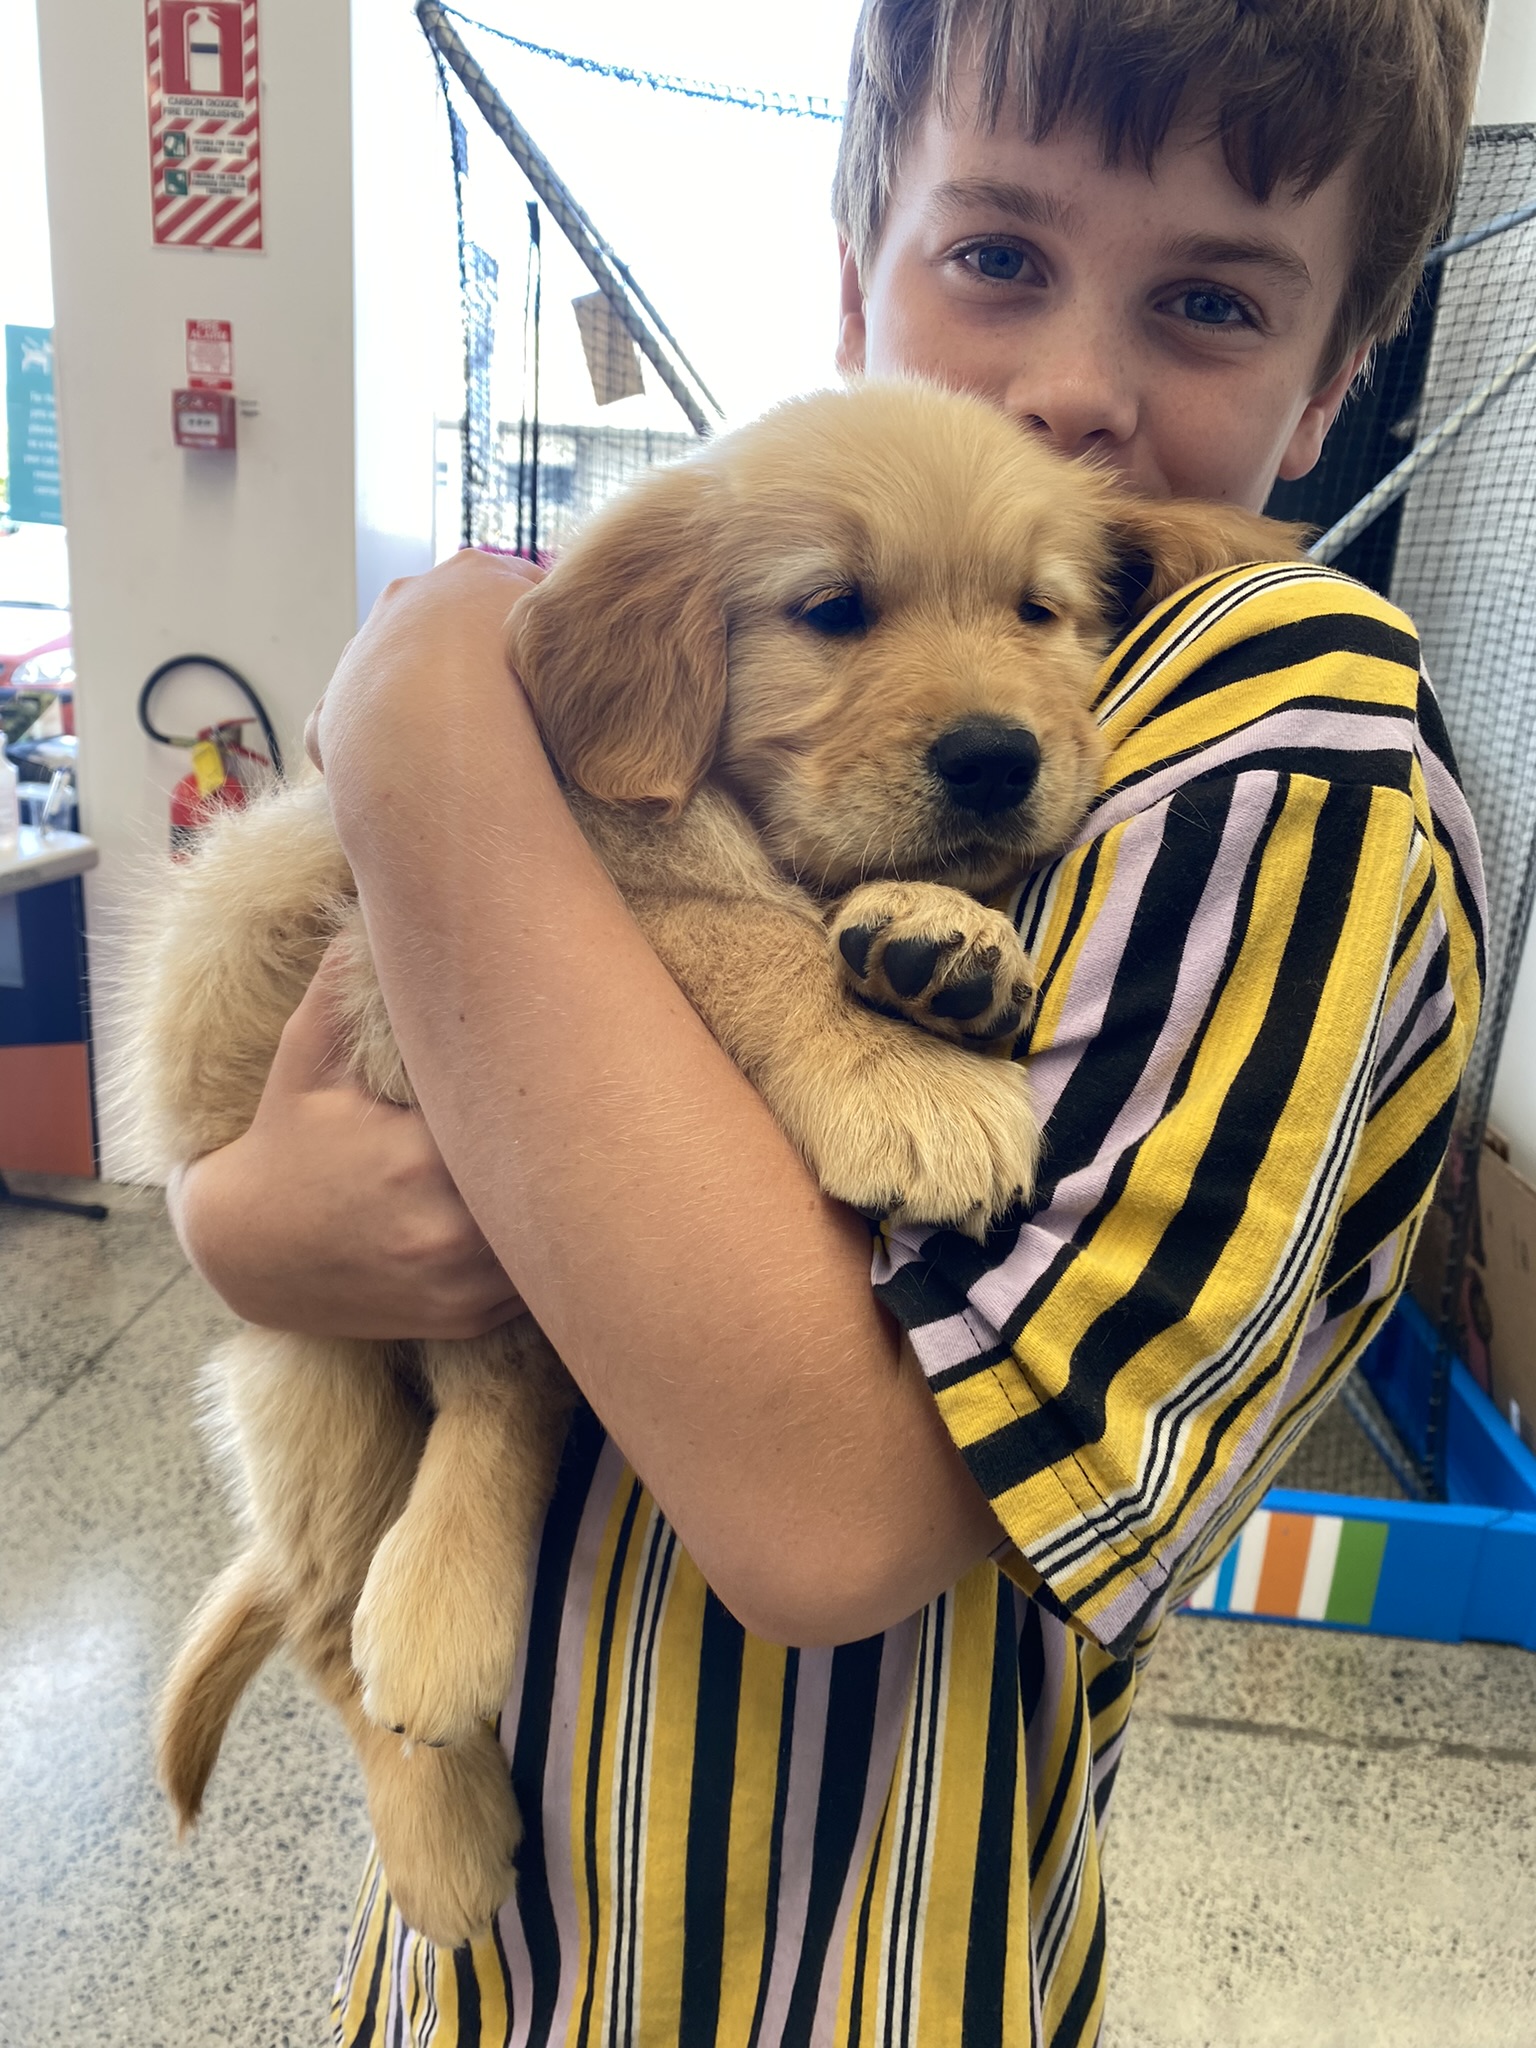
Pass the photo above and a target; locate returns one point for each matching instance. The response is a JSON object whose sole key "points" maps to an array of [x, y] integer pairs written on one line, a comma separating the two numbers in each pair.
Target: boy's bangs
{"points": [[1276, 83]]}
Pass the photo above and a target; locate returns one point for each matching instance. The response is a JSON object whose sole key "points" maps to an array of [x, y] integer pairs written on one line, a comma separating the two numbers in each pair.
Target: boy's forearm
{"points": [[714, 1307]]}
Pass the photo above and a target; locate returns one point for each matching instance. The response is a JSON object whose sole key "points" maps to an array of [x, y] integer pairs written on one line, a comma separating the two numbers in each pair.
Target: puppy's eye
{"points": [[838, 614], [1034, 613]]}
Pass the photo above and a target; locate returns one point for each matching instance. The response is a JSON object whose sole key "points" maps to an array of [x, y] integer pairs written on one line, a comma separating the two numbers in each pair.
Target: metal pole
{"points": [[1396, 481], [573, 222]]}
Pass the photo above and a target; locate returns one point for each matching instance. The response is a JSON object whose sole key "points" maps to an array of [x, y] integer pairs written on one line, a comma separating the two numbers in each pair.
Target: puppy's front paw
{"points": [[937, 958], [895, 1122], [434, 1639]]}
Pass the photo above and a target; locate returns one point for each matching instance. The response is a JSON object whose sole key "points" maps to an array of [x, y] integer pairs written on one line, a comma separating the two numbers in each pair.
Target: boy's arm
{"points": [[713, 1306]]}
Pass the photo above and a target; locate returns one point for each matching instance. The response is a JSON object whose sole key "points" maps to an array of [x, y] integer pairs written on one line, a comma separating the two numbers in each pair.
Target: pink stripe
{"points": [[805, 1766], [893, 1707], [1345, 733]]}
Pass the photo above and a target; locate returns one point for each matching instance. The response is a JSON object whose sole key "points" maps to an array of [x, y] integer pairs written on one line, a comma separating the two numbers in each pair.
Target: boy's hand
{"points": [[427, 642], [334, 1214]]}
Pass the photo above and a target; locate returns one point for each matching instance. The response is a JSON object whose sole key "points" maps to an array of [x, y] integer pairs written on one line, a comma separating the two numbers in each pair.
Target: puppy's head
{"points": [[877, 616]]}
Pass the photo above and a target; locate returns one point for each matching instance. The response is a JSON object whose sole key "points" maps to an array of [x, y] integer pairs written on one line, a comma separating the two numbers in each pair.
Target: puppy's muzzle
{"points": [[987, 765]]}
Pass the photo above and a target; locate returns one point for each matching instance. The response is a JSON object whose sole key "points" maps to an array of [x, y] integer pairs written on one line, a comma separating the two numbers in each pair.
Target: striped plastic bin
{"points": [[1446, 1572]]}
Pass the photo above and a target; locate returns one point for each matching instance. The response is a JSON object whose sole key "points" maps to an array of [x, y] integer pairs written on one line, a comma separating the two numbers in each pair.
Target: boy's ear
{"points": [[622, 647], [851, 331], [1156, 548]]}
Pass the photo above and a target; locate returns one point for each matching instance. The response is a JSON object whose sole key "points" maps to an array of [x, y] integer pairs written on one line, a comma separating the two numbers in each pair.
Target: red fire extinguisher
{"points": [[217, 781], [224, 773]]}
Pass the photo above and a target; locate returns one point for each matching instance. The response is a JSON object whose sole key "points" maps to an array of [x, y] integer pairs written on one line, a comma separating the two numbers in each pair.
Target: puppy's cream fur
{"points": [[760, 789]]}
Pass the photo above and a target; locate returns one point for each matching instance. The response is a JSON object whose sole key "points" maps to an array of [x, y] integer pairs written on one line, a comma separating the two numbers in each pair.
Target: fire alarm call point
{"points": [[203, 415]]}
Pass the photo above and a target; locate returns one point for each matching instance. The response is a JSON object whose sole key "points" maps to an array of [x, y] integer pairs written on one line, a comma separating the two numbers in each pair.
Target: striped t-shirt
{"points": [[1260, 971]]}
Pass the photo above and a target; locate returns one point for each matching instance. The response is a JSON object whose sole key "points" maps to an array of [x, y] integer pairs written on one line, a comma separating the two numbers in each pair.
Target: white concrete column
{"points": [[268, 556], [1507, 88]]}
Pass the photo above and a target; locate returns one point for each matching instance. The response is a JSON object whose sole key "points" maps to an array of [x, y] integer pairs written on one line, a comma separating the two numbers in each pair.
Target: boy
{"points": [[1165, 236]]}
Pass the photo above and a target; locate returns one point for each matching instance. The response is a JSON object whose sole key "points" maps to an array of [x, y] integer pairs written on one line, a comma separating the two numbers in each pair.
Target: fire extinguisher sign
{"points": [[204, 123]]}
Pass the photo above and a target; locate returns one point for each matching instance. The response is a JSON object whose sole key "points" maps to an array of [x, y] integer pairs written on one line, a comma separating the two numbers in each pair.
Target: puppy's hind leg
{"points": [[436, 1630]]}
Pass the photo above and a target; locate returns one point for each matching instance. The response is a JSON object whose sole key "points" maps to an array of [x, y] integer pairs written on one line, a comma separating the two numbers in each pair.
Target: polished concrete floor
{"points": [[1320, 1841]]}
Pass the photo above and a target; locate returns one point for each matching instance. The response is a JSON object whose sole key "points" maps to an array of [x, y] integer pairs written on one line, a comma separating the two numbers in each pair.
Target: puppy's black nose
{"points": [[986, 765]]}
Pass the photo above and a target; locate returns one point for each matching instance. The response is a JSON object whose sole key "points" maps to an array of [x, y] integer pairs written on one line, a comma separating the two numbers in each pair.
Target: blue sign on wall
{"points": [[32, 425]]}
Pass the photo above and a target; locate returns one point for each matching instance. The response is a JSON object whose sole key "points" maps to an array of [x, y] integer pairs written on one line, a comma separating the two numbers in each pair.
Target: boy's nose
{"points": [[1070, 392]]}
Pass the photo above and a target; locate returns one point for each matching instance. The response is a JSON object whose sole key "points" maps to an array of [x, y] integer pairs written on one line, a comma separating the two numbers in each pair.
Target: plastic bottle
{"points": [[10, 804]]}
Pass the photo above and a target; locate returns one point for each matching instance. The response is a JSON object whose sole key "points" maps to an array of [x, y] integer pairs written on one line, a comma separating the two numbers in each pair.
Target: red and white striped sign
{"points": [[204, 123]]}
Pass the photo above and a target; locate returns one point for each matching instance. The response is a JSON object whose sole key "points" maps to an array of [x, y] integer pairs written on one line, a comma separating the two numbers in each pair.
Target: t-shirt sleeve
{"points": [[1245, 1058]]}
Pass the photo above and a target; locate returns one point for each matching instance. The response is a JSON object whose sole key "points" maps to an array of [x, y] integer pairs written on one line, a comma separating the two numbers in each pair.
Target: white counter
{"points": [[40, 859]]}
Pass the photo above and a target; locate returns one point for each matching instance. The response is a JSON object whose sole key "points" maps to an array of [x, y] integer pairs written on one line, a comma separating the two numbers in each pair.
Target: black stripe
{"points": [[776, 1840], [861, 1943], [1386, 1206], [535, 1709], [595, 1753], [986, 1949], [852, 1697], [1082, 893], [1390, 768], [1195, 1239], [1103, 1790], [1031, 1663], [364, 2034], [1431, 1047], [1432, 729], [1408, 929], [938, 1612], [1349, 1293], [1106, 1690], [1069, 2031], [1152, 627], [1277, 648], [901, 1853], [1434, 979], [468, 1986], [721, 1647]]}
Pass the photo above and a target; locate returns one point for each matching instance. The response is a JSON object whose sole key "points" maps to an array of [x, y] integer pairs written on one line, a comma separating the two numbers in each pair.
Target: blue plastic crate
{"points": [[1442, 1572]]}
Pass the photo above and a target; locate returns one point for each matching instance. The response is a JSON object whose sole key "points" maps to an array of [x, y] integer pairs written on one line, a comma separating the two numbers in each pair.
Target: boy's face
{"points": [[1171, 324]]}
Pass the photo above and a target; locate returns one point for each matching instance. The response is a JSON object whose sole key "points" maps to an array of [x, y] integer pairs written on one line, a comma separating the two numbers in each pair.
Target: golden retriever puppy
{"points": [[812, 694]]}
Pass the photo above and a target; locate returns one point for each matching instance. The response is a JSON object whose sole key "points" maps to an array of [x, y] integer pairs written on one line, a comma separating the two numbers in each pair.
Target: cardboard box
{"points": [[1507, 1271], [1496, 1314]]}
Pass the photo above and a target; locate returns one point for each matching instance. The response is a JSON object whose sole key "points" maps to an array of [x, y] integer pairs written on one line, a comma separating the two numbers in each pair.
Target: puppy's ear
{"points": [[622, 647], [1159, 547]]}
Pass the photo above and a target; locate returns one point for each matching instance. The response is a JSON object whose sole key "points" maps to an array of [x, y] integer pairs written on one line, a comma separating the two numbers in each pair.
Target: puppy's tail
{"points": [[235, 1628]]}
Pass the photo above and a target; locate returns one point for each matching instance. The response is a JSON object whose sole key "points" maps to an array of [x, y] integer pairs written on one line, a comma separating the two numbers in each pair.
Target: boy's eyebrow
{"points": [[1024, 202], [1278, 257]]}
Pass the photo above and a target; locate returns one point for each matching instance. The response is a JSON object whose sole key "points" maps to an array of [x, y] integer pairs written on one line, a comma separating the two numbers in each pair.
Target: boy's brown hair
{"points": [[1293, 88]]}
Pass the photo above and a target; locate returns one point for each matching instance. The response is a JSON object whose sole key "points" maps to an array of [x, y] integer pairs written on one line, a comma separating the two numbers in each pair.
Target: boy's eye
{"points": [[1204, 306], [995, 261], [836, 613]]}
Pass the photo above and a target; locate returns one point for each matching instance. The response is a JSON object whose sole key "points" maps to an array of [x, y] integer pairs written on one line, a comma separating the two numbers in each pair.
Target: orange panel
{"points": [[1285, 1564], [45, 1110]]}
